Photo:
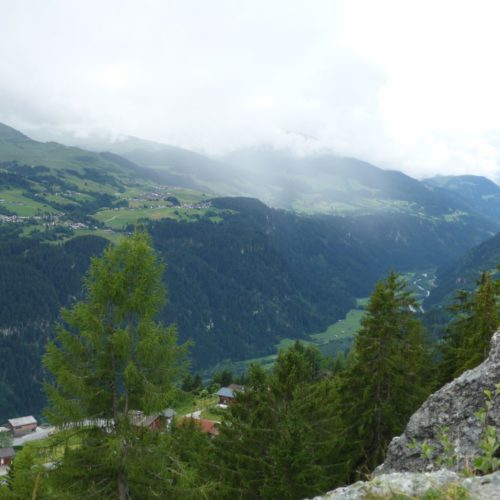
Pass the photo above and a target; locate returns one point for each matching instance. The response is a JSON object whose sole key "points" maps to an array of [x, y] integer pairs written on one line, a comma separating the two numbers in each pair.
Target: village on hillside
{"points": [[18, 431]]}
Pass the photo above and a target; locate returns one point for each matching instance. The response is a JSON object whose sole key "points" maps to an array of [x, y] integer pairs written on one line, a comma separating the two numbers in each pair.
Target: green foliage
{"points": [[222, 378], [5, 439], [278, 438], [488, 460], [27, 476], [36, 280], [111, 357], [389, 374], [477, 316]]}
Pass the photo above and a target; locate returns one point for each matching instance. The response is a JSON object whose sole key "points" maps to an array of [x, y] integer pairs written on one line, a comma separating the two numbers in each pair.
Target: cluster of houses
{"points": [[22, 429]]}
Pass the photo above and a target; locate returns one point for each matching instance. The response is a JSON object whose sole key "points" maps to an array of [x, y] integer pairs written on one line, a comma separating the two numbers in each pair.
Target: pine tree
{"points": [[110, 357], [388, 376]]}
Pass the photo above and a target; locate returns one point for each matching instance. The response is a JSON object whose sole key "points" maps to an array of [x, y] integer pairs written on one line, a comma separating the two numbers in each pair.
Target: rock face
{"points": [[419, 484], [451, 413]]}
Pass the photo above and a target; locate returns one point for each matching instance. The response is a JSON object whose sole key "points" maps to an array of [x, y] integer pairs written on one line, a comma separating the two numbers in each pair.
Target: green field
{"points": [[108, 234], [15, 201], [342, 329], [119, 218]]}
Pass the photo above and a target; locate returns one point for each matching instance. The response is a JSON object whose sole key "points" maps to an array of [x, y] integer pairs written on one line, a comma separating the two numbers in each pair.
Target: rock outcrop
{"points": [[449, 412], [448, 420], [420, 484]]}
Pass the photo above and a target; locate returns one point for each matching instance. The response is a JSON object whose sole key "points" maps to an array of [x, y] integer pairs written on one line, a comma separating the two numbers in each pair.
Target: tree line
{"points": [[310, 424]]}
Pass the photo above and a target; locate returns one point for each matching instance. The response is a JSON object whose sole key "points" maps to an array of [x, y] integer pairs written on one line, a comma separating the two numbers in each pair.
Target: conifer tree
{"points": [[110, 357], [388, 376], [476, 318], [278, 439]]}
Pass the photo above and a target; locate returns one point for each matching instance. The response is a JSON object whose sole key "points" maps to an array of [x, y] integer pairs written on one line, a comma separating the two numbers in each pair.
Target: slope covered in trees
{"points": [[310, 424], [481, 194], [239, 285], [262, 274], [35, 281]]}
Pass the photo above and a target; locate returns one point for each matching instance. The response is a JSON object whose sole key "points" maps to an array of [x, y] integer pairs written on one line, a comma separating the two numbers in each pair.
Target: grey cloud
{"points": [[369, 82]]}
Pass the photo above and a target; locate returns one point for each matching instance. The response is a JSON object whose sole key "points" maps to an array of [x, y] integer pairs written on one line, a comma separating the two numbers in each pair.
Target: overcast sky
{"points": [[412, 85]]}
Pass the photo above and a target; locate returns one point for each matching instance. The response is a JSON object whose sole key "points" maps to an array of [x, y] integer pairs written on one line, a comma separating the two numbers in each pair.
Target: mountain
{"points": [[328, 183], [321, 182], [317, 183], [242, 276], [480, 193], [60, 190], [238, 285], [465, 271]]}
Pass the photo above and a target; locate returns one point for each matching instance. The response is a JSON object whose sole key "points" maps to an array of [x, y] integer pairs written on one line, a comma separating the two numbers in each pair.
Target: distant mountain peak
{"points": [[9, 134]]}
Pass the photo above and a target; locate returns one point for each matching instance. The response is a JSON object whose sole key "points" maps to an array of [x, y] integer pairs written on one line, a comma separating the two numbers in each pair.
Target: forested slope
{"points": [[237, 286]]}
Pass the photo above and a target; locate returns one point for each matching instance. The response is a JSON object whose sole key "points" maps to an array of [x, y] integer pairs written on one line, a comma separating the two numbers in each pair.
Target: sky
{"points": [[408, 85]]}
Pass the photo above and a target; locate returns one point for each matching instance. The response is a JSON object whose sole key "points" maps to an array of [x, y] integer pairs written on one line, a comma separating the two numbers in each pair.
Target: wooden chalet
{"points": [[227, 394], [154, 422], [22, 425]]}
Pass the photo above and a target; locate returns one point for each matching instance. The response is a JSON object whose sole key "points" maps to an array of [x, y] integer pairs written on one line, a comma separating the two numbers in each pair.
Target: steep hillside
{"points": [[328, 183], [322, 182], [480, 193], [259, 275], [238, 284], [58, 191], [464, 272], [36, 280]]}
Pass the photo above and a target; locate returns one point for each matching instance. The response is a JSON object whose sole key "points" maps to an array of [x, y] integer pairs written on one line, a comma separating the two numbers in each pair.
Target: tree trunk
{"points": [[122, 487]]}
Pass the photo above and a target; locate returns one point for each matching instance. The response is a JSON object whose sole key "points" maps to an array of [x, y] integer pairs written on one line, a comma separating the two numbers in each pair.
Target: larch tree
{"points": [[109, 358]]}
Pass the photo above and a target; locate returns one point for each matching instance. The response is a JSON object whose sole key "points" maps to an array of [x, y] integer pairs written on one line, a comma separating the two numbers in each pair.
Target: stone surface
{"points": [[417, 484], [451, 410]]}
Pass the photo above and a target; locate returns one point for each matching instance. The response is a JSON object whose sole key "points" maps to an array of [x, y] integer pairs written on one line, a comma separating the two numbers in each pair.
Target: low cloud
{"points": [[406, 86]]}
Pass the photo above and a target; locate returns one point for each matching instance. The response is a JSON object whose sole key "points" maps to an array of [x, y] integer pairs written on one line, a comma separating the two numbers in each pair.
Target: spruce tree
{"points": [[485, 319], [109, 358], [476, 318], [278, 440], [388, 376]]}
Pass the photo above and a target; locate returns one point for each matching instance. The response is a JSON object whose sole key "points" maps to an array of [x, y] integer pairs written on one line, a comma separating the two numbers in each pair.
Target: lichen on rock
{"points": [[452, 409]]}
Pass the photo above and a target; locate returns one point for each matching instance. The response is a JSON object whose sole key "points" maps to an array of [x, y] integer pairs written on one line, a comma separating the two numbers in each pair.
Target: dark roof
{"points": [[7, 452], [225, 392], [169, 413]]}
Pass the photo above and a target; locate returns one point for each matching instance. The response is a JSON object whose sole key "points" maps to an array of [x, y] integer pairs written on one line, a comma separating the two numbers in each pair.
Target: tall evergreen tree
{"points": [[278, 440], [110, 357], [476, 318], [388, 375]]}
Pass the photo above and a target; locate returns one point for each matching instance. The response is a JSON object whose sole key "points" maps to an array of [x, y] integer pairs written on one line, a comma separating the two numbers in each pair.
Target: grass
{"points": [[191, 403], [120, 218], [15, 201], [208, 415], [342, 329], [110, 235]]}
